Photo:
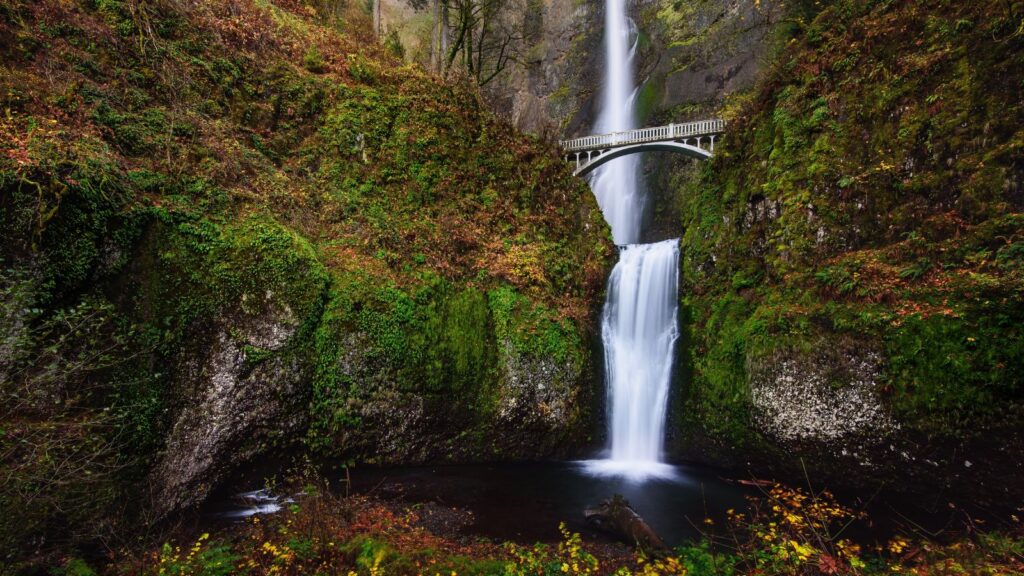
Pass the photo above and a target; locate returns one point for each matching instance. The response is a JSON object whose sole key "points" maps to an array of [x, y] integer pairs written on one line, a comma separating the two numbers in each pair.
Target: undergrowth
{"points": [[784, 531]]}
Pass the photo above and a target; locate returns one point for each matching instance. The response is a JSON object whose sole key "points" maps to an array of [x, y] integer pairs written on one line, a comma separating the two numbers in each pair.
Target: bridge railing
{"points": [[641, 135]]}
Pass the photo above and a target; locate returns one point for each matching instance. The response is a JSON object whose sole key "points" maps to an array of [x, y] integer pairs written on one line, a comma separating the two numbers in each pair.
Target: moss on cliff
{"points": [[252, 191], [870, 192]]}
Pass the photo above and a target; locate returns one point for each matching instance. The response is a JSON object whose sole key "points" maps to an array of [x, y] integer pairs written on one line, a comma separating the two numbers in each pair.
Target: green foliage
{"points": [[135, 133], [116, 14], [361, 69], [64, 210], [958, 374], [202, 559], [702, 558], [568, 557], [67, 436], [857, 195], [393, 44], [180, 170], [74, 567], [313, 60]]}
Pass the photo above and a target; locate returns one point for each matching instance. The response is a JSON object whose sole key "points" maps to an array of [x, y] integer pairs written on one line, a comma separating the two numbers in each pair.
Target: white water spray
{"points": [[639, 326]]}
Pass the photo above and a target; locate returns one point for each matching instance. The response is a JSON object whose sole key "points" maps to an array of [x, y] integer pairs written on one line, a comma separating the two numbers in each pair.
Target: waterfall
{"points": [[616, 184], [639, 324], [639, 332]]}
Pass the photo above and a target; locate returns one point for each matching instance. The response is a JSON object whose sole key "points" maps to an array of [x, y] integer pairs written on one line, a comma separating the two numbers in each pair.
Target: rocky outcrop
{"points": [[537, 391], [549, 93], [525, 406], [240, 390], [852, 320], [548, 90], [827, 396], [709, 49], [701, 54]]}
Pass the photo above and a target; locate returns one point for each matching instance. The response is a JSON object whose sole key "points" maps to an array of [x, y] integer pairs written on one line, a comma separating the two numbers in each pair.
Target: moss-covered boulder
{"points": [[239, 376], [448, 374]]}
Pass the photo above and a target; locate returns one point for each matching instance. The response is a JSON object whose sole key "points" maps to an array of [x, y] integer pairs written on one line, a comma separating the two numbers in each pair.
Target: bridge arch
{"points": [[592, 151], [605, 156]]}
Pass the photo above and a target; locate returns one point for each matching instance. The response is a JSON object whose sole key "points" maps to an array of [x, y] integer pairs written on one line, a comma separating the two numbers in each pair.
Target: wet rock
{"points": [[240, 391], [528, 410], [536, 390]]}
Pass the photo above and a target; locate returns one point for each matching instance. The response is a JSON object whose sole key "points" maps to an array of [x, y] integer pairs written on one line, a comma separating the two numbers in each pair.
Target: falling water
{"points": [[639, 323], [616, 184]]}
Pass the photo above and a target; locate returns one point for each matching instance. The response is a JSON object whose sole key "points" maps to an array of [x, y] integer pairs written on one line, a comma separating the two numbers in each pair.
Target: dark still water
{"points": [[522, 502], [526, 502]]}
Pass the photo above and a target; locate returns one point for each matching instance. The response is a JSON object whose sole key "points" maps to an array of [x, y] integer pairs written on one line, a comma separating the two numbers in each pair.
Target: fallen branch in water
{"points": [[617, 517]]}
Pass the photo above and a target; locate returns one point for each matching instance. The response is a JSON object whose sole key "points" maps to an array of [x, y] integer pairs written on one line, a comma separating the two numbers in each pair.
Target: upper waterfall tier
{"points": [[616, 185]]}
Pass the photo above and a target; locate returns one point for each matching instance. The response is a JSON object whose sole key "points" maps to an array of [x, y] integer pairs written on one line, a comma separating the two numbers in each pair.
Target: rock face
{"points": [[827, 396], [518, 404], [547, 94], [538, 409], [701, 54], [709, 49], [536, 391], [694, 52], [239, 392]]}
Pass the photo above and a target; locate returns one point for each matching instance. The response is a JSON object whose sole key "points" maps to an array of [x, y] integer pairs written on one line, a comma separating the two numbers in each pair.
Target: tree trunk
{"points": [[444, 28], [435, 45], [376, 17]]}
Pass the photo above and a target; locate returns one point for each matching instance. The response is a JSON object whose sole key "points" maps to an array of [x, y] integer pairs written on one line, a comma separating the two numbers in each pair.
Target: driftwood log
{"points": [[615, 516]]}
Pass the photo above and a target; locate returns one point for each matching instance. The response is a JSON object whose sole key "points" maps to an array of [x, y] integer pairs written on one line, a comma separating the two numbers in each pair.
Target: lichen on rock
{"points": [[536, 389], [826, 395]]}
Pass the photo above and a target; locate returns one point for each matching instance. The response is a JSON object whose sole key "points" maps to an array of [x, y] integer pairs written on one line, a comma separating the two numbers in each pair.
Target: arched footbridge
{"points": [[694, 139]]}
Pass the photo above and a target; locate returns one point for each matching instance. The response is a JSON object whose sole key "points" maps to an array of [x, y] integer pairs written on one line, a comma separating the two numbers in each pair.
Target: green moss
{"points": [[436, 340], [533, 330], [204, 269], [195, 173], [855, 197], [958, 374]]}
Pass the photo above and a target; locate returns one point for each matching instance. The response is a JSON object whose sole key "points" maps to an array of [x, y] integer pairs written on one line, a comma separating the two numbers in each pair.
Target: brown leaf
{"points": [[828, 564]]}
